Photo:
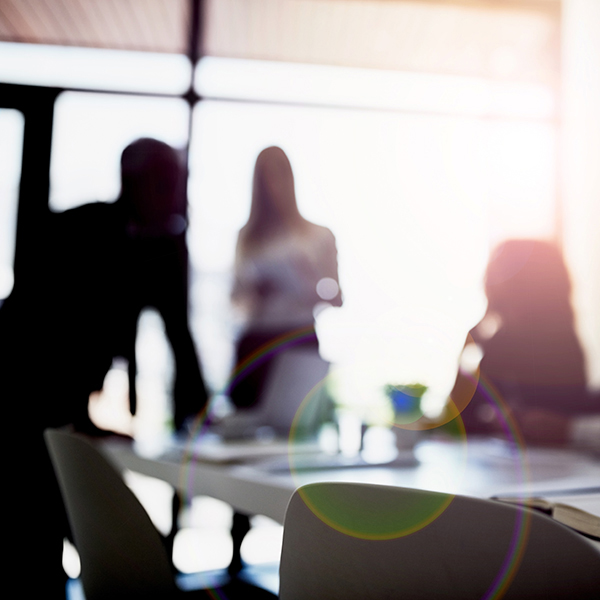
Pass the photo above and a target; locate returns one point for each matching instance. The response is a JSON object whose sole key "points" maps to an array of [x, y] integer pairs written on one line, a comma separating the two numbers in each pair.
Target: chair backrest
{"points": [[473, 549], [295, 376], [121, 552]]}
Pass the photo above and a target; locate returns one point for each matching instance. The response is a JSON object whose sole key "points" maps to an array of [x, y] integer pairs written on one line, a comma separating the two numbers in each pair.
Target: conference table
{"points": [[260, 478]]}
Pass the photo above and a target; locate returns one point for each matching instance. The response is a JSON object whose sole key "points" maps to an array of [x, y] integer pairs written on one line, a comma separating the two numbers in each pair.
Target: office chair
{"points": [[290, 381], [122, 555], [474, 549]]}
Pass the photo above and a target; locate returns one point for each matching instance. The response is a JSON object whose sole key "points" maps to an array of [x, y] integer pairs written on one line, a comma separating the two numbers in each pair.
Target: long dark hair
{"points": [[274, 210], [528, 289], [528, 280]]}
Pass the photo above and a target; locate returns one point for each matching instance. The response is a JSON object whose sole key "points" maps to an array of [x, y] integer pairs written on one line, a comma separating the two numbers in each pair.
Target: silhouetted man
{"points": [[70, 315]]}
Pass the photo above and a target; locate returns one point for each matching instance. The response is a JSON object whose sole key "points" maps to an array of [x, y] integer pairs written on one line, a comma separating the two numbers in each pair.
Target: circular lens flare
{"points": [[391, 520], [387, 522]]}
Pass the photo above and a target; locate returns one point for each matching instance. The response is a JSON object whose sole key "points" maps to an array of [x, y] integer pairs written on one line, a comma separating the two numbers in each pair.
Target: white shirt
{"points": [[279, 284]]}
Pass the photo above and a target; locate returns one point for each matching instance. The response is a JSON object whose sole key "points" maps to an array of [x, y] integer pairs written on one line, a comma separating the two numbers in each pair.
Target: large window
{"points": [[415, 202], [415, 198]]}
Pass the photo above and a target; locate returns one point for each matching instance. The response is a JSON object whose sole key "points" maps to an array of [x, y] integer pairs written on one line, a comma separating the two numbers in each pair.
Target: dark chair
{"points": [[122, 554]]}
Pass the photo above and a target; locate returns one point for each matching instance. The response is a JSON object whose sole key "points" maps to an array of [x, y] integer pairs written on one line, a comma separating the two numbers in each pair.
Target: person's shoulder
{"points": [[242, 234], [320, 232], [241, 244], [95, 215], [87, 226], [92, 212]]}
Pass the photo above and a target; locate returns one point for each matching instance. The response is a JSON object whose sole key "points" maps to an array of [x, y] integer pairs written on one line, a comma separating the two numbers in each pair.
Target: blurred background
{"points": [[421, 132]]}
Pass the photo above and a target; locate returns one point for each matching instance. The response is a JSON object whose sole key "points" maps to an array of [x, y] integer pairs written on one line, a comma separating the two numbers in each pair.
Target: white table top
{"points": [[481, 468]]}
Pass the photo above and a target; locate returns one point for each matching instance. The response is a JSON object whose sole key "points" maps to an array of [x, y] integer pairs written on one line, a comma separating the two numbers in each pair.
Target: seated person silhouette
{"points": [[532, 358], [73, 311], [284, 267]]}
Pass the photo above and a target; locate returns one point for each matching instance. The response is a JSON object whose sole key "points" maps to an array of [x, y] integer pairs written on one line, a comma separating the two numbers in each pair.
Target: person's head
{"points": [[152, 184], [274, 205], [528, 279]]}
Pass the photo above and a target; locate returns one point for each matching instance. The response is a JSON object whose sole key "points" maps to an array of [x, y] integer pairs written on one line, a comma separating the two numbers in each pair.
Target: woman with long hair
{"points": [[284, 267], [532, 357]]}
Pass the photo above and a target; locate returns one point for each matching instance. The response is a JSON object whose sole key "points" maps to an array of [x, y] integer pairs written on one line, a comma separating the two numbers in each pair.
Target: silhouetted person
{"points": [[153, 195], [72, 313], [531, 354], [112, 261], [284, 267]]}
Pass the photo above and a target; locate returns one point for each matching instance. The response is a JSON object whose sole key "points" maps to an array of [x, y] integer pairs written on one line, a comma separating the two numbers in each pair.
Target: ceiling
{"points": [[507, 39]]}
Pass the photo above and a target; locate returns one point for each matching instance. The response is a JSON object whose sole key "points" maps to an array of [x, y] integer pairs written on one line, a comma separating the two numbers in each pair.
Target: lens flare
{"points": [[394, 521], [334, 510], [390, 521]]}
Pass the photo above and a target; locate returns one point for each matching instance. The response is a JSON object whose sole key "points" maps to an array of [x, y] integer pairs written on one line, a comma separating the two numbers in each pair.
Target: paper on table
{"points": [[237, 452]]}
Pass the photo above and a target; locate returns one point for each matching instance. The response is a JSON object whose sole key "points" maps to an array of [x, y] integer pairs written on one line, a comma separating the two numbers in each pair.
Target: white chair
{"points": [[470, 549], [122, 555], [296, 375]]}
